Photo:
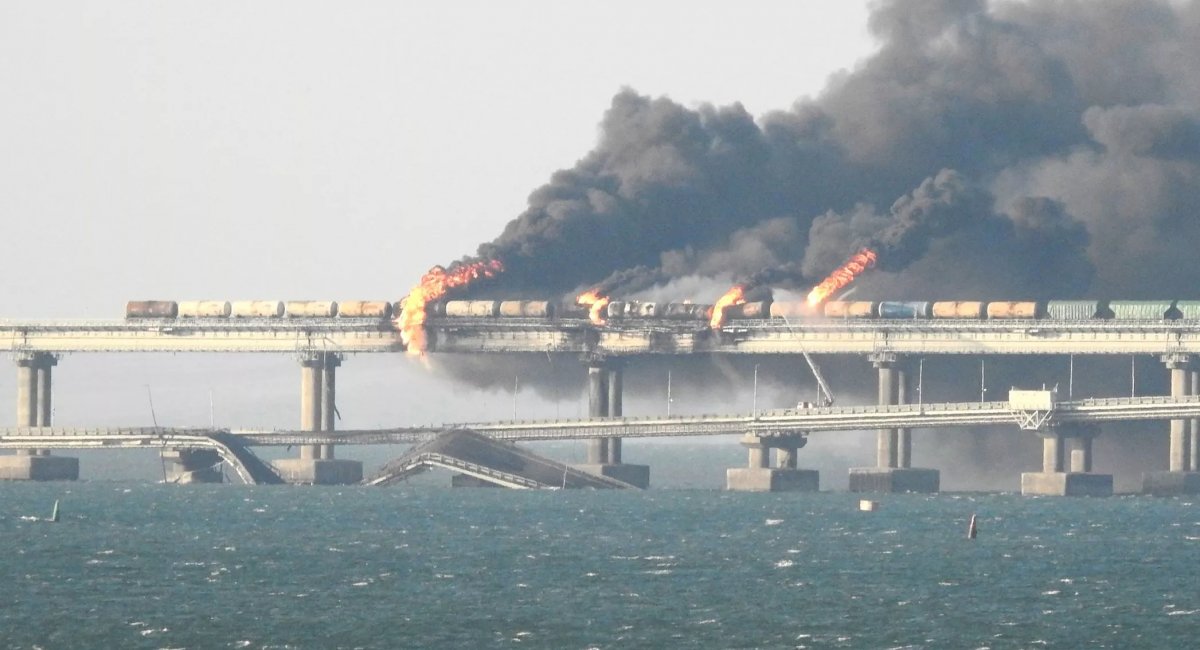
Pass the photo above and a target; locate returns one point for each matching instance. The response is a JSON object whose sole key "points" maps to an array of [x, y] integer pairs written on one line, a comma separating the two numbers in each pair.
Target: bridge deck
{"points": [[466, 336], [768, 423]]}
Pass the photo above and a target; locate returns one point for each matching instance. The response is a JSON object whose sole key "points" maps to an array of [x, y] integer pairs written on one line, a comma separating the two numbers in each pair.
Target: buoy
{"points": [[971, 529], [866, 505]]}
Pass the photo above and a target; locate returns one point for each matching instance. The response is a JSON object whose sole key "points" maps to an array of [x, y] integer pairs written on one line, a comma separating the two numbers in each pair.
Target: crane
{"points": [[824, 395]]}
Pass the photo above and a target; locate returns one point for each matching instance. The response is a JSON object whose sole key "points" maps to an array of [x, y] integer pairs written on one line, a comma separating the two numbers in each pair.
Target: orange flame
{"points": [[434, 284], [844, 275], [595, 304], [735, 296]]}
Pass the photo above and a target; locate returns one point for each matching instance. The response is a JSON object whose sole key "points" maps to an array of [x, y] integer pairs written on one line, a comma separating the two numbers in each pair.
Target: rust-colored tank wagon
{"points": [[310, 309], [568, 308], [379, 309], [472, 308], [972, 309], [151, 309], [526, 309], [256, 309], [800, 309], [1015, 310], [204, 309], [851, 309], [749, 310]]}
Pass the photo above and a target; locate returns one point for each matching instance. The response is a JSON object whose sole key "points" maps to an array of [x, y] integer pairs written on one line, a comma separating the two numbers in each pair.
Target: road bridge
{"points": [[1057, 422]]}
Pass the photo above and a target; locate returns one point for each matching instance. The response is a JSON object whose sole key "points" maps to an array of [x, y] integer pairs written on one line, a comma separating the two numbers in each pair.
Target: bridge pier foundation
{"points": [[1183, 474], [34, 409], [604, 455], [893, 471], [316, 464], [186, 466], [761, 477], [1067, 465]]}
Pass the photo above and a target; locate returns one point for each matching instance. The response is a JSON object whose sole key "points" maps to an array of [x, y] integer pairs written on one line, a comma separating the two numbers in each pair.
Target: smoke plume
{"points": [[989, 150], [1055, 134]]}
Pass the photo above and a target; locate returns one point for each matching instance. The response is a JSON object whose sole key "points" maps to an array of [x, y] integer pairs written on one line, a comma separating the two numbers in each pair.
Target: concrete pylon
{"points": [[886, 439], [34, 409], [597, 448], [1194, 461], [616, 388], [1181, 476], [759, 476], [316, 464], [1067, 465], [605, 399], [893, 471], [329, 399], [903, 436]]}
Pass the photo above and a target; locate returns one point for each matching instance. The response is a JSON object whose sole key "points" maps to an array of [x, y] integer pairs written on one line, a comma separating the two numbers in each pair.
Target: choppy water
{"points": [[142, 565]]}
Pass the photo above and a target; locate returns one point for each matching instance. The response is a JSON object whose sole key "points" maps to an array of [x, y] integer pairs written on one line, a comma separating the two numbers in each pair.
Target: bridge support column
{"points": [[761, 477], [315, 467], [1181, 476], [1063, 474], [1194, 461], [605, 397], [893, 471], [34, 409]]}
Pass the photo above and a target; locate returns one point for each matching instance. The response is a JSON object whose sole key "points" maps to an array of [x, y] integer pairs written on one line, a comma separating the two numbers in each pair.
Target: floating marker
{"points": [[971, 529]]}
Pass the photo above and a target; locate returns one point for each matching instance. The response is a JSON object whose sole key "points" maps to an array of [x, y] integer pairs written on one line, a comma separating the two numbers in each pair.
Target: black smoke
{"points": [[990, 150], [969, 118]]}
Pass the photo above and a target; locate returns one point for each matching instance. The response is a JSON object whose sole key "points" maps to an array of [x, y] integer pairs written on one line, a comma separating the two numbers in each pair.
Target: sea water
{"points": [[140, 565]]}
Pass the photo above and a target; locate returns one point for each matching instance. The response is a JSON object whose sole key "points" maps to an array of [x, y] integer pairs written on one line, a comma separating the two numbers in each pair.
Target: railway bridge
{"points": [[322, 345]]}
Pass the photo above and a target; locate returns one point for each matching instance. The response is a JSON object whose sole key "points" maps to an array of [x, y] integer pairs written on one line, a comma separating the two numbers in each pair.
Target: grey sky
{"points": [[290, 150], [334, 150]]}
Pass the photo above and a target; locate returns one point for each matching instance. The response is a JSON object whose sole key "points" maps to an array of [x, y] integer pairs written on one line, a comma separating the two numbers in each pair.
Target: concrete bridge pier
{"points": [[186, 466], [1182, 475], [1067, 465], [316, 464], [1194, 427], [893, 471], [760, 476], [35, 409], [605, 396]]}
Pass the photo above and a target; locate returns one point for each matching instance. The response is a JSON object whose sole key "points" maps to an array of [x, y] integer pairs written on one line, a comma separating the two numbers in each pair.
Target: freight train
{"points": [[619, 310], [189, 309]]}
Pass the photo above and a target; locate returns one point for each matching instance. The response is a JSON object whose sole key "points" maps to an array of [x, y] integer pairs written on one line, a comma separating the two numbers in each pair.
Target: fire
{"points": [[735, 296], [595, 304], [844, 275], [434, 284]]}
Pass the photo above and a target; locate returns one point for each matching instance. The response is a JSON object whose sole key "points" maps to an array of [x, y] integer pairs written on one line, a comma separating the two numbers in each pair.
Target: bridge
{"points": [[321, 345], [783, 429], [514, 336]]}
